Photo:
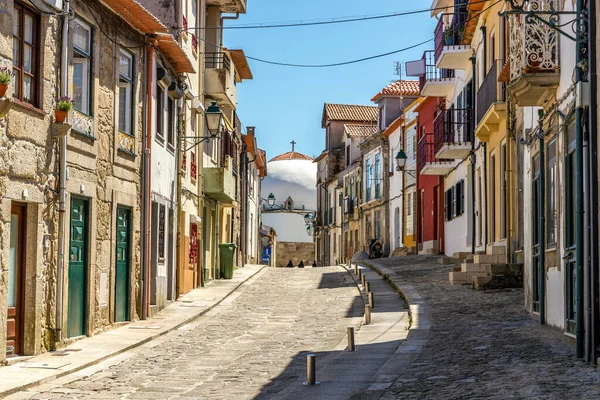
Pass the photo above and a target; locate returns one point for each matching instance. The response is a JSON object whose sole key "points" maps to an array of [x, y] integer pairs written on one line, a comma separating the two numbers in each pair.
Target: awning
{"points": [[136, 15], [167, 44], [241, 64]]}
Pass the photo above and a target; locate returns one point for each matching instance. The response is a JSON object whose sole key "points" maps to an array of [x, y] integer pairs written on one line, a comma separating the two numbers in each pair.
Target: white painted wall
{"points": [[163, 160], [290, 227], [457, 232], [396, 187]]}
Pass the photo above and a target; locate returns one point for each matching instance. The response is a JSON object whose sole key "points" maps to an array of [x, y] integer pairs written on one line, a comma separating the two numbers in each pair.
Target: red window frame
{"points": [[193, 243]]}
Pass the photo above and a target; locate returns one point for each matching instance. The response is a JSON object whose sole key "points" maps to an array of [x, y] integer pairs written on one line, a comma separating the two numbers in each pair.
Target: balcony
{"points": [[229, 6], [452, 133], [491, 103], [450, 52], [435, 82], [219, 183], [534, 59], [427, 162], [220, 78]]}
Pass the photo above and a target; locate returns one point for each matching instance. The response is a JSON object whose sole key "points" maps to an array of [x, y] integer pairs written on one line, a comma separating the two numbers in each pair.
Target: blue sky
{"points": [[285, 103]]}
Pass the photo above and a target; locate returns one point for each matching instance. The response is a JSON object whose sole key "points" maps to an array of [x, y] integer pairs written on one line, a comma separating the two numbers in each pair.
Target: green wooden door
{"points": [[77, 268], [122, 269]]}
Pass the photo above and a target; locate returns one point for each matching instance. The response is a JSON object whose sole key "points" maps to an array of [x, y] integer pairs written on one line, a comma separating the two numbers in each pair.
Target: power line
{"points": [[339, 63], [335, 20], [476, 15]]}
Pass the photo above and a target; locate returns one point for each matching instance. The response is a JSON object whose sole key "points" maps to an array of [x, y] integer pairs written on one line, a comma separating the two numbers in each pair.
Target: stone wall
{"points": [[296, 252]]}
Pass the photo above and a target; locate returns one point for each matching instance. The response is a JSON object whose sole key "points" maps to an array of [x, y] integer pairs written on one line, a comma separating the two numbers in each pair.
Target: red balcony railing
{"points": [[195, 43], [450, 27], [433, 73], [425, 151], [185, 23], [184, 162], [452, 126], [193, 169]]}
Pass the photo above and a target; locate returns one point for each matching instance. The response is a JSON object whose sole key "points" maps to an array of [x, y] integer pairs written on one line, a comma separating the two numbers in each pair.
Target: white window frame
{"points": [[126, 82], [84, 58]]}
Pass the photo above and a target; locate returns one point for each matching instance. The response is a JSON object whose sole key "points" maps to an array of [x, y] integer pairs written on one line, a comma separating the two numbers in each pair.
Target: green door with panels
{"points": [[77, 268], [122, 269]]}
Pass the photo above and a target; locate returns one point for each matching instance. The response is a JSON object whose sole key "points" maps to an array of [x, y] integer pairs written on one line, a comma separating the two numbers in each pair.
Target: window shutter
{"points": [[447, 205], [462, 197]]}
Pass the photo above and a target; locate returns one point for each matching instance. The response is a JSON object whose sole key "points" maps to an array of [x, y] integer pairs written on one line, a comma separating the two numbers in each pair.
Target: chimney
{"points": [[251, 130]]}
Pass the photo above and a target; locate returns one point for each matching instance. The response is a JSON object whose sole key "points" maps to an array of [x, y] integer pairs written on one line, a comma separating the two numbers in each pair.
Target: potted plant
{"points": [[5, 78], [63, 106]]}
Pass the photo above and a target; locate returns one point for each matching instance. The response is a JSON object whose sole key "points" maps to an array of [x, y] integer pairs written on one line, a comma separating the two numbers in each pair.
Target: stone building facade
{"points": [[101, 252]]}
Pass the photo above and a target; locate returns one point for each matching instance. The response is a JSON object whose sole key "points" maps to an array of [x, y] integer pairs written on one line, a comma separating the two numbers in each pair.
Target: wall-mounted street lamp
{"points": [[213, 116], [271, 200], [308, 216], [401, 163], [308, 219]]}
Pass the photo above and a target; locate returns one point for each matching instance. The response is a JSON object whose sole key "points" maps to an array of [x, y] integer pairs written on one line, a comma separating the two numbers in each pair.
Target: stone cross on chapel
{"points": [[293, 144]]}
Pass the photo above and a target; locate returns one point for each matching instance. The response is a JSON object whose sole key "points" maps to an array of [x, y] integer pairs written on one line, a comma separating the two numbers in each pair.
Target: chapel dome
{"points": [[291, 155]]}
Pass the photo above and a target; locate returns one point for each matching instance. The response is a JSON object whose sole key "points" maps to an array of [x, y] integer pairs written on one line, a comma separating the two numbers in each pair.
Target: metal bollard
{"points": [[311, 372], [351, 339], [367, 314], [368, 286], [371, 301], [363, 279], [356, 269]]}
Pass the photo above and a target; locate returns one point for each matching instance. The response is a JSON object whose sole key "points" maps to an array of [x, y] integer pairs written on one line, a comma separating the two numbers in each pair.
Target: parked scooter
{"points": [[375, 249]]}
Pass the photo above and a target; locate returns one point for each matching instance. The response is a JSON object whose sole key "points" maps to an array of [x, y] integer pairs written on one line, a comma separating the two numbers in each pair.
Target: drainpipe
{"points": [[230, 18], [542, 223], [244, 204], [147, 206], [473, 155], [144, 220], [484, 40], [593, 157], [179, 163], [485, 197], [62, 181], [216, 268], [581, 52]]}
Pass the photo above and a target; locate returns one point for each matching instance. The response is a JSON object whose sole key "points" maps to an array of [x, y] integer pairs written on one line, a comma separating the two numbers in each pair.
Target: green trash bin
{"points": [[226, 254]]}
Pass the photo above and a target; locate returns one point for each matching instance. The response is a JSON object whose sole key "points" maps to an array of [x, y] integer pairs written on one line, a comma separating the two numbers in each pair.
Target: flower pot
{"points": [[3, 87], [60, 116]]}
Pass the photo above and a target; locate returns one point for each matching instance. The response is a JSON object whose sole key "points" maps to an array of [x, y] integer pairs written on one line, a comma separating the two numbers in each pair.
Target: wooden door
{"points": [[122, 265], [77, 268], [16, 272]]}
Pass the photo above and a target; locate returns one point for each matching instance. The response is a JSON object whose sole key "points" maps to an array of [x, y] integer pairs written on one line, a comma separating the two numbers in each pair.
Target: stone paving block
{"points": [[458, 278]]}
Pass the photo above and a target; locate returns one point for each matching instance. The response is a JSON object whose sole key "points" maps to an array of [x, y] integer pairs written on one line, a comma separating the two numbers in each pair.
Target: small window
{"points": [[25, 54], [125, 92], [160, 110], [82, 67], [551, 194], [171, 122]]}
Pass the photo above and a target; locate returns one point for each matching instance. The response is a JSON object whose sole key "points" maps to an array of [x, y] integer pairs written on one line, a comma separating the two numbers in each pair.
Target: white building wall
{"points": [[396, 188], [457, 231]]}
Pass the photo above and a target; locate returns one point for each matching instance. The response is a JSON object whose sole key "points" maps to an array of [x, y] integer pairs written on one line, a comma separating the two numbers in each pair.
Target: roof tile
{"points": [[350, 113], [360, 131], [291, 155], [399, 88]]}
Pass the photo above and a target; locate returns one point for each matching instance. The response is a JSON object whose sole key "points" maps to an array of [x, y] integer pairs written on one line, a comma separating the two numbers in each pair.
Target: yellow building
{"points": [[495, 175]]}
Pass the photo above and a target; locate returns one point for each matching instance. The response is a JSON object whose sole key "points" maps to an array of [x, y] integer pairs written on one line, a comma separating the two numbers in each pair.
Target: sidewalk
{"points": [[473, 344], [342, 373], [92, 350]]}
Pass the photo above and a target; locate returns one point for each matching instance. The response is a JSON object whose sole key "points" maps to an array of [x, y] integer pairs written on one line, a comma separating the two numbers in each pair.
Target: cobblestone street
{"points": [[484, 345], [255, 341]]}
